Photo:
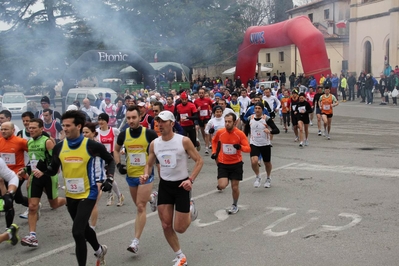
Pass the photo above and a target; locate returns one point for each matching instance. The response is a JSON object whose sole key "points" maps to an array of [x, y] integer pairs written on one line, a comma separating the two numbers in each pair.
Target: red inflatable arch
{"points": [[299, 31]]}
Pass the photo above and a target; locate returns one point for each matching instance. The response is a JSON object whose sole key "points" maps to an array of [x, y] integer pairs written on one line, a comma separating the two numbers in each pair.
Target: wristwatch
{"points": [[191, 180]]}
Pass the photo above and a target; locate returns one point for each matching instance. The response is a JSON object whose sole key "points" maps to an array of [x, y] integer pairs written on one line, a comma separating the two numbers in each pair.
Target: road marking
{"points": [[364, 171], [128, 223]]}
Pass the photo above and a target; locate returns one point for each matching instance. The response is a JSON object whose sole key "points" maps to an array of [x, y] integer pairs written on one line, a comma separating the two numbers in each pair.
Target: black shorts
{"points": [[49, 183], [318, 111], [266, 152], [304, 119], [328, 115], [202, 123], [231, 171], [294, 120], [169, 192]]}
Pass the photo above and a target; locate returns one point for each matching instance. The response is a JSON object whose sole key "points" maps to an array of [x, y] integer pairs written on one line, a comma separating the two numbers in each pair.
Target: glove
{"points": [[272, 115], [213, 156], [8, 201], [237, 146], [121, 168], [107, 185], [211, 130]]}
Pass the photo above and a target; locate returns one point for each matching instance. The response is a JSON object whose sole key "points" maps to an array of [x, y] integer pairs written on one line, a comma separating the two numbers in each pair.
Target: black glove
{"points": [[272, 115], [214, 156], [121, 168], [211, 130], [8, 201], [107, 185], [237, 146]]}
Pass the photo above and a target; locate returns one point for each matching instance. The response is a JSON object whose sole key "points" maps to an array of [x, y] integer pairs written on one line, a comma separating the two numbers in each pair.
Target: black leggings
{"points": [[80, 211], [191, 134], [9, 213], [18, 197]]}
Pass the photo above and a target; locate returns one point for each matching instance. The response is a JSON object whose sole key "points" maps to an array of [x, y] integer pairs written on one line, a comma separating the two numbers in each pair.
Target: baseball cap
{"points": [[104, 117], [183, 95], [72, 107], [165, 116], [45, 99], [295, 91], [141, 104]]}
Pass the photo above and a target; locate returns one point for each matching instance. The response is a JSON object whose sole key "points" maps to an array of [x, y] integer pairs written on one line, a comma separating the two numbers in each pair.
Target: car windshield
{"points": [[14, 99]]}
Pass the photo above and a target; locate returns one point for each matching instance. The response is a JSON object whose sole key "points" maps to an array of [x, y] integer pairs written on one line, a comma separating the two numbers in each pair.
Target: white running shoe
{"points": [[268, 182], [306, 143], [134, 247], [301, 144], [30, 241], [319, 134], [324, 133], [101, 256], [206, 151], [154, 201], [257, 182], [296, 139], [120, 200], [110, 199], [311, 123], [25, 214], [193, 211], [328, 136], [233, 209], [182, 261]]}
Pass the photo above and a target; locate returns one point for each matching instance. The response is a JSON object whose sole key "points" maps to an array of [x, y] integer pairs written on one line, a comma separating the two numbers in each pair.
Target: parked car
{"points": [[15, 102], [88, 92]]}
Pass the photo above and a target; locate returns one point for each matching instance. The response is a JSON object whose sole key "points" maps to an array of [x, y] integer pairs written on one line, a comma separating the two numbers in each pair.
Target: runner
{"points": [[227, 145], [260, 143], [136, 140], [327, 102], [51, 126], [76, 156], [285, 109], [107, 135], [204, 107], [176, 210], [309, 97], [40, 152], [316, 106], [294, 120], [302, 111]]}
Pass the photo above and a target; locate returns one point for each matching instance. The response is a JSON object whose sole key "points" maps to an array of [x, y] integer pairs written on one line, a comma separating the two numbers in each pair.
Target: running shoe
{"points": [[301, 144], [233, 209], [13, 230], [134, 247], [296, 139], [319, 134], [206, 151], [198, 145], [210, 146], [25, 214], [182, 261], [324, 133], [30, 241], [193, 211], [306, 143], [268, 182], [101, 256], [286, 130], [257, 182], [328, 136], [120, 200], [154, 201], [110, 199], [311, 123]]}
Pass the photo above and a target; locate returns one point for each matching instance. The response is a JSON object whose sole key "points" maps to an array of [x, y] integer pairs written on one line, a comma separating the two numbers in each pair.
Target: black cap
{"points": [[104, 117], [45, 99]]}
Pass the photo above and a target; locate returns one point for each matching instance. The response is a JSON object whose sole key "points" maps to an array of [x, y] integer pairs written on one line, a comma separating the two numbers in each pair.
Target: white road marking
{"points": [[364, 171], [128, 223]]}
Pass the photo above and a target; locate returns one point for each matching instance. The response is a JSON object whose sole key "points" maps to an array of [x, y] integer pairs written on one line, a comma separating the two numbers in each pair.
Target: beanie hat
{"points": [[45, 99], [104, 117]]}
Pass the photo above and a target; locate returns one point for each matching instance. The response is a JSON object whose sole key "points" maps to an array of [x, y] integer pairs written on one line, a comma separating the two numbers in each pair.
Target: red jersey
{"points": [[204, 107], [107, 140], [186, 110], [170, 108]]}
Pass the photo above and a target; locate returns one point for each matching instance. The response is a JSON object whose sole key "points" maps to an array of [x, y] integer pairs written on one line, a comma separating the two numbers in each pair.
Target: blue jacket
{"points": [[334, 82], [251, 110]]}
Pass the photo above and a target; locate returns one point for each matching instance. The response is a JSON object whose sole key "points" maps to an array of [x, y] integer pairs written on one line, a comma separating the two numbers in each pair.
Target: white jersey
{"points": [[7, 174], [216, 123], [172, 157], [91, 111], [258, 136], [245, 102], [26, 155], [273, 102]]}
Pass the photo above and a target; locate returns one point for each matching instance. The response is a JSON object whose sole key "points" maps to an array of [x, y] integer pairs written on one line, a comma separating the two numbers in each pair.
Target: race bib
{"points": [[259, 134], [107, 146], [137, 159], [167, 160], [285, 104], [229, 149], [293, 107], [33, 164], [183, 116], [9, 158], [326, 107], [203, 112], [75, 185], [302, 109]]}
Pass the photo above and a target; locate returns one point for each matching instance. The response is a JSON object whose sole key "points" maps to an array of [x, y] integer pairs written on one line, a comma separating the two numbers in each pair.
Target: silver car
{"points": [[15, 102]]}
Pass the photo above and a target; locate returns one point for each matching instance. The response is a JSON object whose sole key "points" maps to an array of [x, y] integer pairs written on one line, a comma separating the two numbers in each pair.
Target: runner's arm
{"points": [[273, 126]]}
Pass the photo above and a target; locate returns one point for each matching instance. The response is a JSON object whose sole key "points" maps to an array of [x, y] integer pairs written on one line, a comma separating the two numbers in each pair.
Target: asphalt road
{"points": [[331, 203]]}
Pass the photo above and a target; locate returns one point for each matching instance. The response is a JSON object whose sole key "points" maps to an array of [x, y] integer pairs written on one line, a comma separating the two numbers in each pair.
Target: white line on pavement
{"points": [[112, 229]]}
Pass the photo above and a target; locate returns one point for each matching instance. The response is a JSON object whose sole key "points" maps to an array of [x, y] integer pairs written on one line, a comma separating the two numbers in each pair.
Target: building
{"points": [[373, 38]]}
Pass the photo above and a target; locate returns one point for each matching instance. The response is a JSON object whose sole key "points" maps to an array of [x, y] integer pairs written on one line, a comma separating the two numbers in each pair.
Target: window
{"points": [[70, 98], [281, 56], [326, 13], [310, 16], [268, 58]]}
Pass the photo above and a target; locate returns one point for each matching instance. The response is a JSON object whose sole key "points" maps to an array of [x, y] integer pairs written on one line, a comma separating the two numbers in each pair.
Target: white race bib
{"points": [[167, 160], [183, 116], [302, 109], [229, 149], [137, 159], [9, 158], [33, 164], [293, 107], [259, 134], [203, 112], [326, 107], [75, 185]]}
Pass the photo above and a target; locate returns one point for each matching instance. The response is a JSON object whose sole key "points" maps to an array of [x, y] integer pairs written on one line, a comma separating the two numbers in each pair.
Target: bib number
{"points": [[229, 149], [203, 112], [168, 160], [302, 109], [9, 158], [137, 159], [74, 185], [326, 107], [33, 164]]}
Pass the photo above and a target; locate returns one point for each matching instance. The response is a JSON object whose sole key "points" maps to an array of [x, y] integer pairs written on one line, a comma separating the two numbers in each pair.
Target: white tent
{"points": [[232, 70]]}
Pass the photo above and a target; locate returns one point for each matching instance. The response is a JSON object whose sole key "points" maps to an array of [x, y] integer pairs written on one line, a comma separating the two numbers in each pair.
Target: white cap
{"points": [[72, 107], [166, 115], [141, 104]]}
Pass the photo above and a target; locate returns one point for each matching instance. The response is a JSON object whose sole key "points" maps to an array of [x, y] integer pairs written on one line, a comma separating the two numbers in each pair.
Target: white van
{"points": [[88, 92]]}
